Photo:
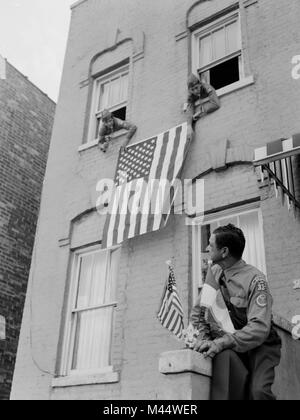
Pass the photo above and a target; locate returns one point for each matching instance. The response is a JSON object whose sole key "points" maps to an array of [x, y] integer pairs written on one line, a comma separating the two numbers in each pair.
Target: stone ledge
{"points": [[282, 323], [186, 360], [89, 379]]}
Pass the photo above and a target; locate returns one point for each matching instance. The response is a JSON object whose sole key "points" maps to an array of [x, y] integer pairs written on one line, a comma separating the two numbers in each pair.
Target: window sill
{"points": [[104, 377], [94, 143], [247, 81]]}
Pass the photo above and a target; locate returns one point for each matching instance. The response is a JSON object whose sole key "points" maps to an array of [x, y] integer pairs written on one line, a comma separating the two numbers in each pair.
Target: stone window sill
{"points": [[105, 377], [247, 81], [94, 143]]}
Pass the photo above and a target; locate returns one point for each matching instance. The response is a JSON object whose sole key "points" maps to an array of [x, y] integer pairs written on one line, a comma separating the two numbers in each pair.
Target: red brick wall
{"points": [[26, 118]]}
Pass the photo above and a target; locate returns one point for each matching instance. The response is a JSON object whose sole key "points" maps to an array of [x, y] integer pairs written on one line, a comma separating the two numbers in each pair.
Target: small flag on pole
{"points": [[170, 312], [212, 299]]}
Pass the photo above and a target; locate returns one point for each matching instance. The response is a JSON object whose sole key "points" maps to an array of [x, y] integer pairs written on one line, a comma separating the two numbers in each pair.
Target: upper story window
{"points": [[110, 92], [217, 51], [91, 311]]}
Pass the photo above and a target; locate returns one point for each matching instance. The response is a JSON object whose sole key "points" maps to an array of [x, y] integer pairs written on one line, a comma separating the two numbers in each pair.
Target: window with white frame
{"points": [[250, 221], [110, 92], [217, 51], [91, 310]]}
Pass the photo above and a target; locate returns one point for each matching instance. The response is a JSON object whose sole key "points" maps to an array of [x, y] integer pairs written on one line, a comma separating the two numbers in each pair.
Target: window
{"points": [[249, 221], [217, 54], [91, 311], [110, 92]]}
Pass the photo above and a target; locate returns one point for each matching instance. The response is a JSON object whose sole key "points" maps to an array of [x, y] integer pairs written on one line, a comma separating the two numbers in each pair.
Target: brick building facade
{"points": [[246, 49], [26, 119]]}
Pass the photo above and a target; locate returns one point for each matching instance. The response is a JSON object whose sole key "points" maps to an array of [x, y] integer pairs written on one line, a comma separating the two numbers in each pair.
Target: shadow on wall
{"points": [[287, 382]]}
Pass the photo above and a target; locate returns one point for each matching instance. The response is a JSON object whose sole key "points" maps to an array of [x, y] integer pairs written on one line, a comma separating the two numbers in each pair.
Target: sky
{"points": [[33, 37]]}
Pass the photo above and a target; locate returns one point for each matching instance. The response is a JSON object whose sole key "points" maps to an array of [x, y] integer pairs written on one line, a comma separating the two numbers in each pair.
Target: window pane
{"points": [[124, 88], [205, 51], [254, 250], [232, 219], [98, 122], [98, 283], [85, 277], [219, 44], [115, 90], [92, 339], [104, 97], [91, 288], [225, 73], [232, 37]]}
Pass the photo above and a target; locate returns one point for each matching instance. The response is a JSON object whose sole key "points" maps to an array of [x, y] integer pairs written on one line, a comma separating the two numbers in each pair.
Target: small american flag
{"points": [[170, 312], [142, 201]]}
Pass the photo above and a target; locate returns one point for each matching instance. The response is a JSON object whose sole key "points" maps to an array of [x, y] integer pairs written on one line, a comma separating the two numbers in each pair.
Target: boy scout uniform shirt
{"points": [[117, 125], [208, 100], [248, 299]]}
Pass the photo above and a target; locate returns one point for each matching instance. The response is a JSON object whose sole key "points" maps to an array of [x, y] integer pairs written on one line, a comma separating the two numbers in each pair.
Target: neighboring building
{"points": [[142, 52], [26, 119]]}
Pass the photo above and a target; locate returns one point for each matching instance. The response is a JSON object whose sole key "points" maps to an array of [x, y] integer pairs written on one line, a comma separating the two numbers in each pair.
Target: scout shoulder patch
{"points": [[260, 283], [261, 300]]}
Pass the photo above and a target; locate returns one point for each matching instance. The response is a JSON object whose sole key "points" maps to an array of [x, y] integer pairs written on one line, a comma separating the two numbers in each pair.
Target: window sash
{"points": [[112, 93], [207, 33], [85, 312], [98, 105], [91, 339], [236, 218]]}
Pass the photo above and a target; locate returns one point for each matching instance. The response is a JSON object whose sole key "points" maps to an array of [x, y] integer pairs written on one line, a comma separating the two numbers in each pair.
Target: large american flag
{"points": [[170, 313], [140, 204]]}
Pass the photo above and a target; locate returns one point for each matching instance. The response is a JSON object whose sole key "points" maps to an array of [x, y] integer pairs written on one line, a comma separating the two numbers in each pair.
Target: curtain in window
{"points": [[219, 43], [254, 253], [93, 326], [92, 339], [254, 250], [113, 92]]}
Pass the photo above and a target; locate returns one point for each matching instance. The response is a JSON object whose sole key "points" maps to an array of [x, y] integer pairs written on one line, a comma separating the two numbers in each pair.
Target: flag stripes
{"points": [[275, 162], [144, 174]]}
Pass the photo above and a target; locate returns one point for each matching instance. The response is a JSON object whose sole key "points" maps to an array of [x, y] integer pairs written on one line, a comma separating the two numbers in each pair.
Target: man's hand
{"points": [[199, 344], [207, 348]]}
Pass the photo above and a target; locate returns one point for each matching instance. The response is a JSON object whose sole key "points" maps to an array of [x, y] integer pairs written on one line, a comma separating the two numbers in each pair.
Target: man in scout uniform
{"points": [[111, 124], [201, 95], [243, 362]]}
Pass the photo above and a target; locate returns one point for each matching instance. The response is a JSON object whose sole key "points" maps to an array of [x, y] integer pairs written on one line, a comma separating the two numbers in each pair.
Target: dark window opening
{"points": [[97, 127], [120, 113], [225, 73]]}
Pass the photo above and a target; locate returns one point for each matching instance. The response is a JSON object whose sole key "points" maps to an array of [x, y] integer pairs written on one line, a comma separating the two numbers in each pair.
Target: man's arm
{"points": [[126, 125], [102, 134], [209, 104], [259, 315]]}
